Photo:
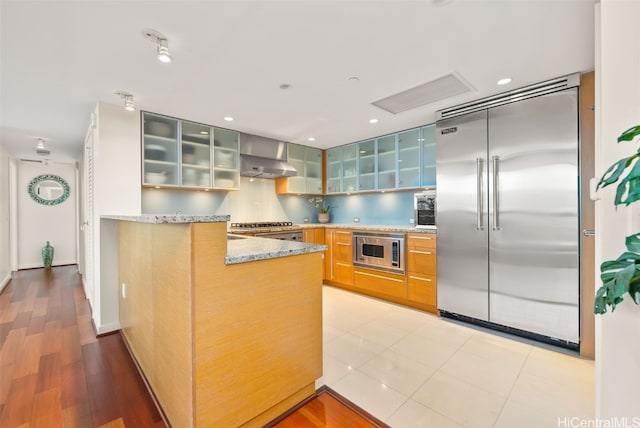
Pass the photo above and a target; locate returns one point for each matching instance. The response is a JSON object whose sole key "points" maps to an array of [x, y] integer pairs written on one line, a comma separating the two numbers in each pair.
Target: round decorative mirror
{"points": [[49, 189]]}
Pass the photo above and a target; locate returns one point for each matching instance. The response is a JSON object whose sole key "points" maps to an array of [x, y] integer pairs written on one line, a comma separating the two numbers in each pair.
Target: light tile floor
{"points": [[412, 369]]}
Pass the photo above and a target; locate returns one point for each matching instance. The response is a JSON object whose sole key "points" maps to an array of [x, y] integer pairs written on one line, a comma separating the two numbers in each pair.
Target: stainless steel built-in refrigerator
{"points": [[507, 212]]}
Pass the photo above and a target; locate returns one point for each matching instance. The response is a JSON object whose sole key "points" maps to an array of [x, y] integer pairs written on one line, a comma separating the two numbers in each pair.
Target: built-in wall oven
{"points": [[379, 251]]}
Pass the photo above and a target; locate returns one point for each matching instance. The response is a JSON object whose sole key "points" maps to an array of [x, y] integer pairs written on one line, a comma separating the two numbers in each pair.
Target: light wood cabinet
{"points": [[339, 263], [422, 270], [315, 236], [417, 288], [379, 283], [220, 345]]}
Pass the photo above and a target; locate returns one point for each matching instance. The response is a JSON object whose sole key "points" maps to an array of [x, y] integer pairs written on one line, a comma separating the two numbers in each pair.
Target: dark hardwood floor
{"points": [[327, 409], [54, 372]]}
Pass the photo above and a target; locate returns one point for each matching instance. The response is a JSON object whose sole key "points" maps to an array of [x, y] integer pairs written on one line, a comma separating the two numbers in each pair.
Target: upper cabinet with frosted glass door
{"points": [[334, 170], [428, 140], [367, 165], [409, 158], [402, 160], [308, 164], [387, 162], [160, 154], [196, 154], [226, 159], [183, 154]]}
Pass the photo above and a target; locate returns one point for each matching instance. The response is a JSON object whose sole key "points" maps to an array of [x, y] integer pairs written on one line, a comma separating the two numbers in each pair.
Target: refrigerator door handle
{"points": [[479, 194], [496, 193]]}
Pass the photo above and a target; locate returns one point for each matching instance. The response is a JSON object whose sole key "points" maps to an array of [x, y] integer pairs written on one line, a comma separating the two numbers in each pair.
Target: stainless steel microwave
{"points": [[379, 251], [424, 209]]}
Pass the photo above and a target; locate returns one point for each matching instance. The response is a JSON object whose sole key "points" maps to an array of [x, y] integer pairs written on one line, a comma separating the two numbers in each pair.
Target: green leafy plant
{"points": [[320, 204], [622, 275]]}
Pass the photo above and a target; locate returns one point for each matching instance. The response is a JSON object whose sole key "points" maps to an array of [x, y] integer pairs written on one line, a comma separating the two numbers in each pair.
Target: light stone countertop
{"points": [[242, 249], [239, 250], [163, 219], [368, 227]]}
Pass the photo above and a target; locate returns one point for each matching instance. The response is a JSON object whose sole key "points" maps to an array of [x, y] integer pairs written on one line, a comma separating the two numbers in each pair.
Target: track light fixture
{"points": [[162, 45], [128, 100], [41, 149]]}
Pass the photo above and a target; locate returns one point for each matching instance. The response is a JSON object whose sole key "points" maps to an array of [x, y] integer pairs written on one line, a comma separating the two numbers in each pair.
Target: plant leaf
{"points": [[613, 173], [613, 265], [628, 186], [632, 243], [629, 134]]}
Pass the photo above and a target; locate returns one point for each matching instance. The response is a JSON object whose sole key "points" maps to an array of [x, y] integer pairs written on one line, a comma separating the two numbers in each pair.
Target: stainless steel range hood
{"points": [[264, 157]]}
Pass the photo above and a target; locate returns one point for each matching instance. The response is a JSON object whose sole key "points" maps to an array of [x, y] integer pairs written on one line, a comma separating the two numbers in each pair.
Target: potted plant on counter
{"points": [[323, 208], [622, 275]]}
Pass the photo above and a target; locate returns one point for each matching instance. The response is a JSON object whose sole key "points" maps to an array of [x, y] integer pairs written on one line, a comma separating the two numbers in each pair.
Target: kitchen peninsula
{"points": [[227, 330]]}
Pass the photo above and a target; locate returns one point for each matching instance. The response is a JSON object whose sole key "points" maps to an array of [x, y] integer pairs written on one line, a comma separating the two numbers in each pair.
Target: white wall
{"points": [[5, 244], [617, 109], [39, 223], [117, 190]]}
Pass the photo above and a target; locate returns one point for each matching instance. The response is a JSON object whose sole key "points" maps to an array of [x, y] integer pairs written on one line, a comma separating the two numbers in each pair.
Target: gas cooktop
{"points": [[262, 224]]}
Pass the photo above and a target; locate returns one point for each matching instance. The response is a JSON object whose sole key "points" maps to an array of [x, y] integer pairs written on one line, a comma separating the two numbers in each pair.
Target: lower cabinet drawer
{"points": [[380, 282], [422, 289], [343, 273], [424, 261]]}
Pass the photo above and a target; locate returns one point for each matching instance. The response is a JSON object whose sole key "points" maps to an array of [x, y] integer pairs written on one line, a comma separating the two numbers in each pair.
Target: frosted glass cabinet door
{"points": [[428, 155], [296, 156], [196, 155], [367, 165], [350, 167], [313, 164], [160, 165], [334, 170], [387, 162], [409, 158], [226, 159]]}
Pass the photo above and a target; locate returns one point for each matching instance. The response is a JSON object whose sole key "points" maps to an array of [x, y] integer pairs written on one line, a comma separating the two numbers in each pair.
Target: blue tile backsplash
{"points": [[257, 201]]}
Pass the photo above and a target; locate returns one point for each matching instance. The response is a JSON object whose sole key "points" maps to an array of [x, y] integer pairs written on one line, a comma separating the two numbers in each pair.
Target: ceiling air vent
{"points": [[443, 87]]}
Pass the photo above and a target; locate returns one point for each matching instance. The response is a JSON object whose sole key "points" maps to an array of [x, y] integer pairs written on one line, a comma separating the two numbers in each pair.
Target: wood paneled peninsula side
{"points": [[228, 332]]}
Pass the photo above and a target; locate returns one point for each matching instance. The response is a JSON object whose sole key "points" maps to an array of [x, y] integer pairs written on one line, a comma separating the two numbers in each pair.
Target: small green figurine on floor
{"points": [[47, 255]]}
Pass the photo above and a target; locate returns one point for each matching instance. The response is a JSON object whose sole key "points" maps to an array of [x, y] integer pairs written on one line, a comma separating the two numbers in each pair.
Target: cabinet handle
{"points": [[420, 279], [428, 238], [420, 252], [342, 264], [379, 276], [342, 233], [348, 244]]}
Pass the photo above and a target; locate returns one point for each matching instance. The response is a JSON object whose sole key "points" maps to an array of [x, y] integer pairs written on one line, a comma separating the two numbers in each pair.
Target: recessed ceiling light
{"points": [[354, 79], [285, 86], [204, 132], [373, 120], [311, 139], [228, 118], [504, 81]]}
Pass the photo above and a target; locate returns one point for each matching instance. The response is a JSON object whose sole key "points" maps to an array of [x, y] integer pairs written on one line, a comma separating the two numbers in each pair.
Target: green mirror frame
{"points": [[33, 189]]}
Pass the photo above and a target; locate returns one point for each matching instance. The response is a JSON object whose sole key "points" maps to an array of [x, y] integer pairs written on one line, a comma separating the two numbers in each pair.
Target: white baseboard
{"points": [[40, 265], [107, 328], [5, 281]]}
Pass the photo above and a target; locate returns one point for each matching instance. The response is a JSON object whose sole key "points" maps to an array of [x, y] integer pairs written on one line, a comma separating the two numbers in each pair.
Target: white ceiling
{"points": [[230, 57]]}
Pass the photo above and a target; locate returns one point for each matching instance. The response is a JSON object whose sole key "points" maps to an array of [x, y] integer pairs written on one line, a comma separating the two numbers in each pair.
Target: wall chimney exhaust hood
{"points": [[264, 157]]}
